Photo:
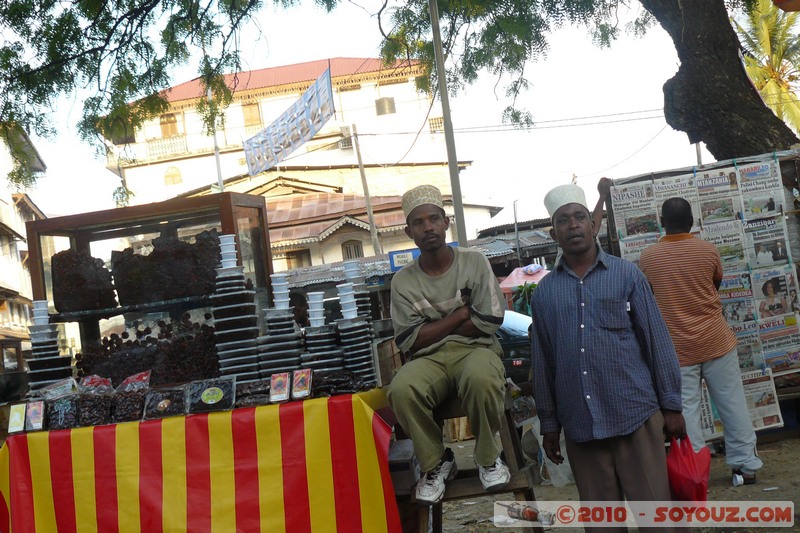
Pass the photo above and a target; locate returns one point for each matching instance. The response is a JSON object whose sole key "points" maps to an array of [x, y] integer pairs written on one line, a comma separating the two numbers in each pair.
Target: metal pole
{"points": [[699, 155], [452, 160], [220, 184], [373, 231], [516, 234]]}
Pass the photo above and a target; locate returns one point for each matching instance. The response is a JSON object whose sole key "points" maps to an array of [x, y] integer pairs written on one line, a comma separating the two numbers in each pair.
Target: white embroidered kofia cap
{"points": [[563, 195]]}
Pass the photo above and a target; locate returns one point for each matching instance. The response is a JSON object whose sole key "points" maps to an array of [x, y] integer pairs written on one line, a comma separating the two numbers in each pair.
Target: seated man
{"points": [[446, 307]]}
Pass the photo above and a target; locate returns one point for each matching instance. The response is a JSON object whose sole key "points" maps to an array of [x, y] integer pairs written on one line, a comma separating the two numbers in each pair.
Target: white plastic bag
{"points": [[559, 475]]}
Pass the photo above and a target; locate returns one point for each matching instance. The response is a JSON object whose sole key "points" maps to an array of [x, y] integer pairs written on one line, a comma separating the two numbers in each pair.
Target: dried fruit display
{"points": [[81, 282]]}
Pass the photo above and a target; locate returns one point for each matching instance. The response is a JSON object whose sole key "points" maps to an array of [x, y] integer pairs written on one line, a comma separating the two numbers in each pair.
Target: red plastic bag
{"points": [[688, 471]]}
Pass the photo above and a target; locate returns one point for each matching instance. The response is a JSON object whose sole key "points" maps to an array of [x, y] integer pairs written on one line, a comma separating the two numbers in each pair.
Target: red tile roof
{"points": [[287, 74], [282, 210]]}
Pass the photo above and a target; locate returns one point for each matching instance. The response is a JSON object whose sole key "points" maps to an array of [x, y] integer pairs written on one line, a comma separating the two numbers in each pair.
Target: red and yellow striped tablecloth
{"points": [[314, 466]]}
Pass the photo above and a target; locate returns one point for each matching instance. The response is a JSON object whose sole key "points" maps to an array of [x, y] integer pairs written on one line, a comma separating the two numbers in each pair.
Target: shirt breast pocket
{"points": [[613, 314]]}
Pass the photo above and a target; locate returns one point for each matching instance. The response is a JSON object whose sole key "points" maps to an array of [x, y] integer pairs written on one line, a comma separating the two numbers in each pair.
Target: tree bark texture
{"points": [[710, 97]]}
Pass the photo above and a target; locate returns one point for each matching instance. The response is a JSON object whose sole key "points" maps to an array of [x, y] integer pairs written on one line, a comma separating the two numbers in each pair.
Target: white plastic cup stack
{"points": [[316, 308], [227, 248], [347, 299], [41, 316], [280, 290]]}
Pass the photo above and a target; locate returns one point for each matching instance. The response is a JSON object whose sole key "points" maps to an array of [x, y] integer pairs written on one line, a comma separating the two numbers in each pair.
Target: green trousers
{"points": [[474, 374]]}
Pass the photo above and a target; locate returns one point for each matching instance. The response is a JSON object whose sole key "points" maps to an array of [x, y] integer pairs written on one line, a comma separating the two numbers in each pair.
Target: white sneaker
{"points": [[430, 487], [494, 477]]}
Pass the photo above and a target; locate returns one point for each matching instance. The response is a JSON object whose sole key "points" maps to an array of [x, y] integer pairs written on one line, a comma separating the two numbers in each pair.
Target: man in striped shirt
{"points": [[706, 346]]}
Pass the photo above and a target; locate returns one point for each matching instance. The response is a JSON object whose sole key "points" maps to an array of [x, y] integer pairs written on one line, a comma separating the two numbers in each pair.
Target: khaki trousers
{"points": [[474, 374], [632, 467]]}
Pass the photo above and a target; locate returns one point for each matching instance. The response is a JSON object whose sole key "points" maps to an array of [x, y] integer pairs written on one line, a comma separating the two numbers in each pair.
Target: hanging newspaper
{"points": [[296, 126], [634, 209], [718, 195], [750, 351], [765, 242], [738, 305], [631, 247], [771, 288], [679, 186], [762, 190], [762, 405], [729, 240], [779, 341]]}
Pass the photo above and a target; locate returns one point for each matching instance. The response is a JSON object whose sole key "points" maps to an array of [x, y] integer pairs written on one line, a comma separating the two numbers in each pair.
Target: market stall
{"points": [[318, 465]]}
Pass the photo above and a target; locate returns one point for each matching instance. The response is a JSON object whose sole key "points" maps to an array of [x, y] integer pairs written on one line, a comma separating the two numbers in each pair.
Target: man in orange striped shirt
{"points": [[685, 273]]}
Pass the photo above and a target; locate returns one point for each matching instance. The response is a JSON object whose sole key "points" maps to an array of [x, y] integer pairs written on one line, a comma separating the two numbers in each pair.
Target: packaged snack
{"points": [[34, 416], [301, 384], [128, 400], [216, 394], [62, 412], [279, 387], [160, 403], [94, 405]]}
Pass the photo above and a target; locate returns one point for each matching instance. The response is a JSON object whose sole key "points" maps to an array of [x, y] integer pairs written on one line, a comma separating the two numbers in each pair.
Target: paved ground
{"points": [[779, 480]]}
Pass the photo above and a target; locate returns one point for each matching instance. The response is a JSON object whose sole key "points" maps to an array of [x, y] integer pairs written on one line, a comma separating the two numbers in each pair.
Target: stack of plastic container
{"points": [[235, 319], [353, 274], [355, 337], [47, 366], [281, 347], [322, 351]]}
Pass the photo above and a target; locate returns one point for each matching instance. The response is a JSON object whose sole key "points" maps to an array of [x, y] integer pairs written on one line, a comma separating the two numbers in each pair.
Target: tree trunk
{"points": [[711, 98]]}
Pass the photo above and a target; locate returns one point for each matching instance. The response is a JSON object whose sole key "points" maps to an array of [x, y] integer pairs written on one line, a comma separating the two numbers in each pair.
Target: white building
{"points": [[400, 133]]}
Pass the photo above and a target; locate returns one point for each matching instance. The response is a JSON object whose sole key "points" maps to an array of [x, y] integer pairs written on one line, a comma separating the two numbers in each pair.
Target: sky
{"points": [[597, 112]]}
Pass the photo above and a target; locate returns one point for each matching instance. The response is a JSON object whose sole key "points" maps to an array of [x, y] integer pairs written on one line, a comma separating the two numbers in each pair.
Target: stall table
{"points": [[314, 466]]}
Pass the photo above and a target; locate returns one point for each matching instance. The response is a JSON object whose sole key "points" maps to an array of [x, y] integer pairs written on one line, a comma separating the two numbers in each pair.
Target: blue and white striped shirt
{"points": [[603, 360]]}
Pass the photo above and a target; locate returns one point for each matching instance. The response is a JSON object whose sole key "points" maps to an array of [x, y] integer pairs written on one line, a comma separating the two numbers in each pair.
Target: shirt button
{"points": [[585, 372], [588, 397], [583, 350], [581, 326], [582, 304]]}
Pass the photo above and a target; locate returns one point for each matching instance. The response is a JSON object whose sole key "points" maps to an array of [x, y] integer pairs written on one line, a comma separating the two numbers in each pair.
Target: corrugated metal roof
{"points": [[334, 272]]}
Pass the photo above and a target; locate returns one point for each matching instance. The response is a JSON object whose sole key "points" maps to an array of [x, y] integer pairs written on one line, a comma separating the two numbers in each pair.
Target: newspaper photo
{"points": [[729, 240], [738, 303], [631, 247], [765, 242], [771, 288], [679, 186], [634, 209]]}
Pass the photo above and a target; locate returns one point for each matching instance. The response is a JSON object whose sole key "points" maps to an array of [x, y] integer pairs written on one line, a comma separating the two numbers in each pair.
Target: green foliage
{"points": [[498, 36], [522, 298], [771, 47], [123, 51]]}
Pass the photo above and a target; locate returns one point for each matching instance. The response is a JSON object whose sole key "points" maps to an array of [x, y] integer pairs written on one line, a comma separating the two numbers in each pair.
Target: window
{"points": [[385, 106], [169, 125], [298, 259], [173, 176], [436, 124], [251, 114], [352, 250]]}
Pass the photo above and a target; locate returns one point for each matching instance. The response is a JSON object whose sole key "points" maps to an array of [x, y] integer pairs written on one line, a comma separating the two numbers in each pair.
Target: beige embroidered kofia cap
{"points": [[563, 195], [424, 194]]}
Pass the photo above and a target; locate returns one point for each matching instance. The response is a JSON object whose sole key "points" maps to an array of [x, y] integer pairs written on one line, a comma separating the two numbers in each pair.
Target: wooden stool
{"points": [[467, 484]]}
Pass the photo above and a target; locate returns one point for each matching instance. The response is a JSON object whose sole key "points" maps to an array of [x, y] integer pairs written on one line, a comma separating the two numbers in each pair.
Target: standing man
{"points": [[446, 307], [603, 364], [705, 344]]}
